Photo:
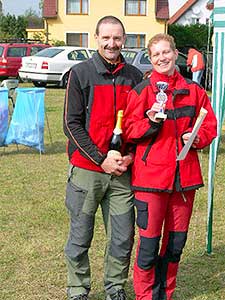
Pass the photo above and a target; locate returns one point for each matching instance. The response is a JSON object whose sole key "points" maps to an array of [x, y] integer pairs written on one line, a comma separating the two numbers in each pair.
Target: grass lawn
{"points": [[34, 224]]}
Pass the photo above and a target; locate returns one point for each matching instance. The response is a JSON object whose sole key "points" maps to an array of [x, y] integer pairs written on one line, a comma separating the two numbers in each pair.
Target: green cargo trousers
{"points": [[86, 190]]}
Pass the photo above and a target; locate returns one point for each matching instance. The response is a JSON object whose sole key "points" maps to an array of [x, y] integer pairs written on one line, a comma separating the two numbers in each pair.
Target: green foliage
{"points": [[33, 19], [39, 36], [194, 35], [12, 26], [58, 43]]}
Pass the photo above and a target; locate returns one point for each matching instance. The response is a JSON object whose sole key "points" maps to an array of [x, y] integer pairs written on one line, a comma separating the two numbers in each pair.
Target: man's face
{"points": [[110, 41], [163, 57]]}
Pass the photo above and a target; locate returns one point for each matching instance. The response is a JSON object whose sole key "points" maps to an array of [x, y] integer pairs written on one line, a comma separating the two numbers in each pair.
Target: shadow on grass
{"points": [[54, 148]]}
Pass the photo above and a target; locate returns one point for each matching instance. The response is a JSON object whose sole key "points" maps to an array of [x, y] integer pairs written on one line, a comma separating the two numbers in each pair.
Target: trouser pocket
{"points": [[142, 213], [75, 197]]}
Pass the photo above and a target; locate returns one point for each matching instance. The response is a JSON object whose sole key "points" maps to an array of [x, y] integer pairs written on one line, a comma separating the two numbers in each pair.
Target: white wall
{"points": [[198, 10], [174, 5]]}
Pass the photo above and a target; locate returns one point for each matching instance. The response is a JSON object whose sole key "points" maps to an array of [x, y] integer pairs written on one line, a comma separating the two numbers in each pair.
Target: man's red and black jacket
{"points": [[93, 97]]}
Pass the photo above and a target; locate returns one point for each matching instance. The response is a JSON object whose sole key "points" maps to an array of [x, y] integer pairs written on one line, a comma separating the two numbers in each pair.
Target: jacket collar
{"points": [[176, 82], [101, 64]]}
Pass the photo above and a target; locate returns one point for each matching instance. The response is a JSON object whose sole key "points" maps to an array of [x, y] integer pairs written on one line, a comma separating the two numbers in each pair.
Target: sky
{"points": [[18, 7]]}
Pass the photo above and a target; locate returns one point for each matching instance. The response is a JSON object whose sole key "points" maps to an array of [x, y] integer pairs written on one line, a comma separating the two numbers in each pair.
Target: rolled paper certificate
{"points": [[194, 132]]}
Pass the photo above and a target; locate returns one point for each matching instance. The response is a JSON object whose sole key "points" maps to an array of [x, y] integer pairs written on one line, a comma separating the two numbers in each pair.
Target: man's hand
{"points": [[114, 165], [186, 137], [127, 160]]}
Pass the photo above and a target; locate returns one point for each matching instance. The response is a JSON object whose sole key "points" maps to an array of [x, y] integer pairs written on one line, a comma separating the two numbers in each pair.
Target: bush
{"points": [[58, 43], [190, 36]]}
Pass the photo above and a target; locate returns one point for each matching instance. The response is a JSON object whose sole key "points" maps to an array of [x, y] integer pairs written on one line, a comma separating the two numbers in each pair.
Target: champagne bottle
{"points": [[116, 141]]}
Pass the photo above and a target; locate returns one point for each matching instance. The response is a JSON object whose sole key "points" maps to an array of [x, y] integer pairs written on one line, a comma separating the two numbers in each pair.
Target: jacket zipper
{"points": [[176, 134], [114, 91], [175, 121]]}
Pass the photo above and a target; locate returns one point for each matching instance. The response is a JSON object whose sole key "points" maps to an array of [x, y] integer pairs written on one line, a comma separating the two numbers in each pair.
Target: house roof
{"points": [[50, 9], [181, 11], [162, 9]]}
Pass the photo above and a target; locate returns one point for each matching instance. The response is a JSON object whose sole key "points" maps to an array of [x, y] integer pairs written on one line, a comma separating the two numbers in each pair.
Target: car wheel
{"points": [[65, 80], [39, 83], [20, 79]]}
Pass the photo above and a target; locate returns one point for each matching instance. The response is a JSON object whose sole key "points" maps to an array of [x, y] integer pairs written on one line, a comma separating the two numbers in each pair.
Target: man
{"points": [[196, 62], [159, 118], [97, 89]]}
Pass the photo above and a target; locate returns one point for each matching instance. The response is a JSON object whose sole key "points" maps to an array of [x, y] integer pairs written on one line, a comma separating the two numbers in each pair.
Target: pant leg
{"points": [[151, 211], [85, 190], [197, 76], [174, 239], [118, 215]]}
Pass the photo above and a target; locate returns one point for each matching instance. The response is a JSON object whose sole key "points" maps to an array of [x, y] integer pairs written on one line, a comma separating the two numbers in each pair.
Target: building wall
{"points": [[175, 5], [63, 24], [197, 10], [34, 33]]}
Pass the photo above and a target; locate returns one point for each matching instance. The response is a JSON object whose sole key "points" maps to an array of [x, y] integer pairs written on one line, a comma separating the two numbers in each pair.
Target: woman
{"points": [[164, 187]]}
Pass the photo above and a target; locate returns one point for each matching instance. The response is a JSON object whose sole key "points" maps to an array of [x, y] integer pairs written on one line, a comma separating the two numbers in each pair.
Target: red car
{"points": [[11, 54]]}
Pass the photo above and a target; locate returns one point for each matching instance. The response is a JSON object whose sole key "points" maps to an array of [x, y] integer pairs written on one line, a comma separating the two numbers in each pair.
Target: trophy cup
{"points": [[161, 98]]}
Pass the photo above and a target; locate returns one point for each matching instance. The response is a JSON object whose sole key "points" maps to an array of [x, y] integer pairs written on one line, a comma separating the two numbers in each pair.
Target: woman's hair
{"points": [[106, 20], [159, 37]]}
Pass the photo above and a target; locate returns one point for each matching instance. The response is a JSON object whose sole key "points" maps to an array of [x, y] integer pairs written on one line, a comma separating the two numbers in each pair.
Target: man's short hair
{"points": [[111, 20], [159, 37]]}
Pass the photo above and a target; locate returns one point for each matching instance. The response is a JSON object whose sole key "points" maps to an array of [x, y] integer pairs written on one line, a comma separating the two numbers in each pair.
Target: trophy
{"points": [[161, 98]]}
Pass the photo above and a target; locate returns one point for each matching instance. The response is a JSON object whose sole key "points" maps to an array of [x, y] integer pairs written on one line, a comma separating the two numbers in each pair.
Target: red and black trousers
{"points": [[163, 221]]}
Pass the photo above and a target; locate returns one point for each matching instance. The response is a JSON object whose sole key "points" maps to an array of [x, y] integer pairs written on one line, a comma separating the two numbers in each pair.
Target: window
{"points": [[145, 59], [35, 49], [195, 20], [135, 7], [1, 50], [135, 40], [77, 7], [92, 51], [77, 39], [49, 52], [129, 55], [78, 55], [16, 52]]}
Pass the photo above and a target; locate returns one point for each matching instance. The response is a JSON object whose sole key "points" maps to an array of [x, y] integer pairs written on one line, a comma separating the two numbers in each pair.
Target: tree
{"points": [[33, 20], [12, 26], [194, 35]]}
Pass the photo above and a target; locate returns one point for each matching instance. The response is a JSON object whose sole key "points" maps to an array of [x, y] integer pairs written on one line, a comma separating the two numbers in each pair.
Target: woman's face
{"points": [[163, 57]]}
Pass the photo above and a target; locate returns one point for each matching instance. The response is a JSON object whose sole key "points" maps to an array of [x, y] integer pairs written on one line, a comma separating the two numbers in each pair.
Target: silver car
{"points": [[140, 59], [52, 65]]}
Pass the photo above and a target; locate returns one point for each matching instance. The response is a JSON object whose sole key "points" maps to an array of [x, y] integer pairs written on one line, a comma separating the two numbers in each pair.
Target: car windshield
{"points": [[49, 52], [129, 56]]}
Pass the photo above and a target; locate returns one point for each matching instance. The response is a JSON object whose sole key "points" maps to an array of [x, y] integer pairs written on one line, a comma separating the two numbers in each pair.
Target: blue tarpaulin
{"points": [[4, 111], [27, 124]]}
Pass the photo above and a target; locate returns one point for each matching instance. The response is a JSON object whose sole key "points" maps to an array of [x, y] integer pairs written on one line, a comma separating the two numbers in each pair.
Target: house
{"points": [[36, 30], [189, 12], [74, 21]]}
